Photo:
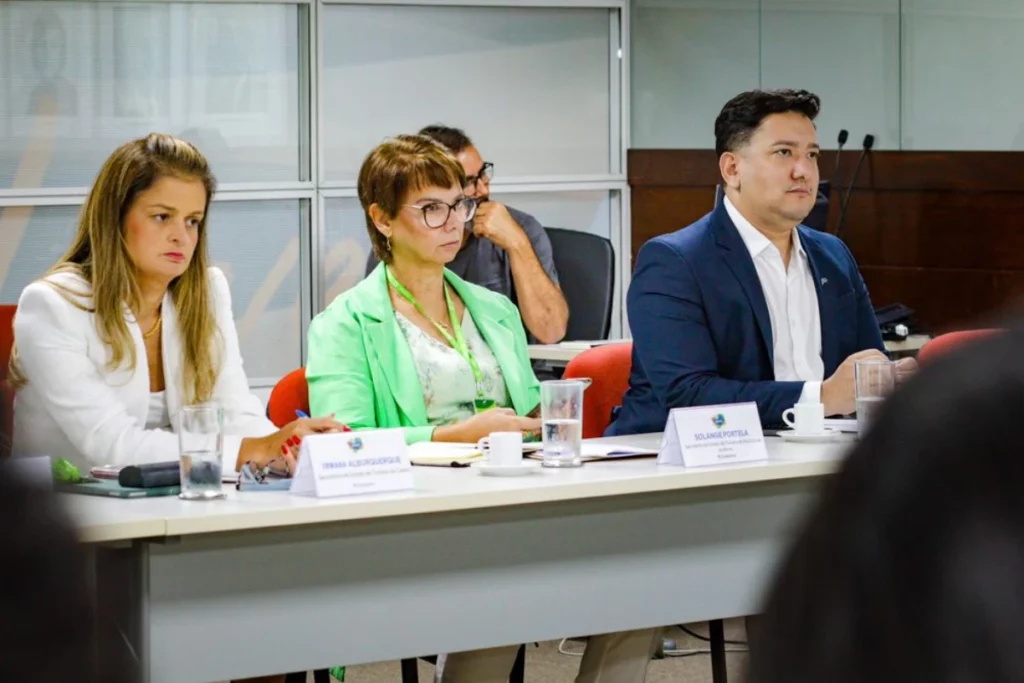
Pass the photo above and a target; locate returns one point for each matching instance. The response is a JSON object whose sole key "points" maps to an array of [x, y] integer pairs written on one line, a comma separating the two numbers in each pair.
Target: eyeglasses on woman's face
{"points": [[436, 213]]}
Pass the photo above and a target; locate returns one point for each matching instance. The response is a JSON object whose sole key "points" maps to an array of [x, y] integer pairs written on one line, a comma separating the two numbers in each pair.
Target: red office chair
{"points": [[6, 394], [291, 393], [943, 344], [608, 366]]}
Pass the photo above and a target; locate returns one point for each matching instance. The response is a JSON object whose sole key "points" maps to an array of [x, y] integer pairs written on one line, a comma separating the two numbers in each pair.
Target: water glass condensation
{"points": [[561, 412], [874, 380], [201, 437]]}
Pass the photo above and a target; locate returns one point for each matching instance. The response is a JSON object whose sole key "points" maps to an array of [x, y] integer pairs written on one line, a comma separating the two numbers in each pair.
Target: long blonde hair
{"points": [[99, 255]]}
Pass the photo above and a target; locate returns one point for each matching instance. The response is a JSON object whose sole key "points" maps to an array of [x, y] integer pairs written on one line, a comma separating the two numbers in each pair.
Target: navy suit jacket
{"points": [[701, 330]]}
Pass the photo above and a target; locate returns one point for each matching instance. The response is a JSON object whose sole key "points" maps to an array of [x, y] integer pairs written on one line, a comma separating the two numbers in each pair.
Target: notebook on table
{"points": [[441, 454]]}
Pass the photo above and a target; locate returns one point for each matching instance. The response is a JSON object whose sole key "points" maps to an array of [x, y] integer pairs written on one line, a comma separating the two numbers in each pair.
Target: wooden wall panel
{"points": [[659, 210], [942, 232], [932, 229], [947, 298]]}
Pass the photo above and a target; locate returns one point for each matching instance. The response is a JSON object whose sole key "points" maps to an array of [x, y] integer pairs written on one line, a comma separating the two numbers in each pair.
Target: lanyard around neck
{"points": [[458, 341]]}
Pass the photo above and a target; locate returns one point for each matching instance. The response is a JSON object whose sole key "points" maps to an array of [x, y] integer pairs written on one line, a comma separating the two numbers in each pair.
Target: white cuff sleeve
{"points": [[811, 393]]}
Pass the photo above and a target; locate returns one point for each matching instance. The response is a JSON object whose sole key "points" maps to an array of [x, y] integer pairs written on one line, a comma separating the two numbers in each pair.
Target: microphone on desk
{"points": [[869, 142]]}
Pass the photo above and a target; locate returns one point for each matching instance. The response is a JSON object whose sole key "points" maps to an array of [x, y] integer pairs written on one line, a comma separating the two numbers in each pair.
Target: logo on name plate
{"points": [[356, 444], [718, 420]]}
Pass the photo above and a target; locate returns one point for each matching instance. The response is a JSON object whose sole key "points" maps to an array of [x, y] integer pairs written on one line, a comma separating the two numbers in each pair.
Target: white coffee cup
{"points": [[505, 448], [805, 418]]}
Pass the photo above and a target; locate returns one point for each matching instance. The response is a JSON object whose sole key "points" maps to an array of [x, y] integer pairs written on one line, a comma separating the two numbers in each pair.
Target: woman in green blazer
{"points": [[413, 345]]}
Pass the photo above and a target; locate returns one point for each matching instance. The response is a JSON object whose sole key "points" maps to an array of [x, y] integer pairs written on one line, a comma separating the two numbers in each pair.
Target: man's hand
{"points": [[493, 221], [838, 392]]}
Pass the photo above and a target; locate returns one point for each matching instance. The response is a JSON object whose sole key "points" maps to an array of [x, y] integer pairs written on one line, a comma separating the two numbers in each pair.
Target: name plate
{"points": [[713, 435], [353, 463]]}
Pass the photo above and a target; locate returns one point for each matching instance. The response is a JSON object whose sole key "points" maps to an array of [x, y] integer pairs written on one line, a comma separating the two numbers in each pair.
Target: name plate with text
{"points": [[713, 435], [353, 463]]}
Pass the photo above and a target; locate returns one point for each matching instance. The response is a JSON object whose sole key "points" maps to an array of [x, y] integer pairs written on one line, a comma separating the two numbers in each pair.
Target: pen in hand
{"points": [[301, 414]]}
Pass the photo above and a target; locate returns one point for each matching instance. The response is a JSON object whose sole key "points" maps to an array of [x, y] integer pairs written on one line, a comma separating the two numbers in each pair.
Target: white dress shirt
{"points": [[73, 406], [792, 306]]}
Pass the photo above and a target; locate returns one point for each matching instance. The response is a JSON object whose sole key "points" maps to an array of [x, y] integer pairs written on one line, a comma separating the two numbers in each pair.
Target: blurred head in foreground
{"points": [[47, 615], [911, 565]]}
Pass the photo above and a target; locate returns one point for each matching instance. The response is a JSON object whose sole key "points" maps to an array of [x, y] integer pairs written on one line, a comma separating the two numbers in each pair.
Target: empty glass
{"points": [[201, 437], [561, 411], [874, 380]]}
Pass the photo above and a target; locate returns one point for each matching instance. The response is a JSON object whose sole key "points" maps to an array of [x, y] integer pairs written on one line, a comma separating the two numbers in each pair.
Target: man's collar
{"points": [[754, 240]]}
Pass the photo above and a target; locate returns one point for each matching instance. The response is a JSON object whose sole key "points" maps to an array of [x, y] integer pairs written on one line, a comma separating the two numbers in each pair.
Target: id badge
{"points": [[482, 405]]}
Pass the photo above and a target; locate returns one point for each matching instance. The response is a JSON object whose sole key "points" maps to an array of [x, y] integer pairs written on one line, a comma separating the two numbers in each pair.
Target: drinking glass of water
{"points": [[874, 380], [561, 412], [201, 437]]}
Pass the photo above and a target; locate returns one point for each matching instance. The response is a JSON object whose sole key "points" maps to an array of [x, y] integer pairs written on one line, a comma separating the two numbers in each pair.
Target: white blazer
{"points": [[73, 407]]}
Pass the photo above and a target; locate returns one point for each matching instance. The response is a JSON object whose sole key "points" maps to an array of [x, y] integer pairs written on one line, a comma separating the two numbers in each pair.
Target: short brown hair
{"points": [[395, 168]]}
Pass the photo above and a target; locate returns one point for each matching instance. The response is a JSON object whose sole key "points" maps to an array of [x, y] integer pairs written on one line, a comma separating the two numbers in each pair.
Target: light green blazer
{"points": [[360, 368]]}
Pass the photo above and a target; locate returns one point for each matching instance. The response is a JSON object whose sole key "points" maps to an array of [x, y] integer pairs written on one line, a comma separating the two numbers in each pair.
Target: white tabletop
{"points": [[111, 519], [437, 490], [566, 351], [562, 352]]}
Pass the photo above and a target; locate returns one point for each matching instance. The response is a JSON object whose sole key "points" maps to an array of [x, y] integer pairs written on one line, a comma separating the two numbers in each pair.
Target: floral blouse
{"points": [[447, 380]]}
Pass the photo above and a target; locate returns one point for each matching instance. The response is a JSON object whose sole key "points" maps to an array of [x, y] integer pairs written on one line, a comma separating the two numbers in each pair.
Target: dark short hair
{"points": [[911, 564], [742, 115], [453, 138]]}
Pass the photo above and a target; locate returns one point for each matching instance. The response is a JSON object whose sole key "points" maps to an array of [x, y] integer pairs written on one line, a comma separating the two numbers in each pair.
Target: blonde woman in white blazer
{"points": [[132, 324]]}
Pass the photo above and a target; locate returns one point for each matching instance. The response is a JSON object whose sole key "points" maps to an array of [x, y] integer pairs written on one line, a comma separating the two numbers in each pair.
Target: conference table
{"points": [[566, 351], [267, 582]]}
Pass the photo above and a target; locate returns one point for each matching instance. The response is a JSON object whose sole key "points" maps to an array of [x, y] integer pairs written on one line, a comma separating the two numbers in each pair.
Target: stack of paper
{"points": [[589, 344], [592, 452], [846, 425], [598, 451]]}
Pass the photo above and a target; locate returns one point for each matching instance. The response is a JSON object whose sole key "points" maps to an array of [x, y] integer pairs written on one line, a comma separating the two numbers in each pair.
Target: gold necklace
{"points": [[156, 326]]}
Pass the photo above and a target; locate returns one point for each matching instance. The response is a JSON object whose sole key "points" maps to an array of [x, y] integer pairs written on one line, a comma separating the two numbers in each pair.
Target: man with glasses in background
{"points": [[507, 251]]}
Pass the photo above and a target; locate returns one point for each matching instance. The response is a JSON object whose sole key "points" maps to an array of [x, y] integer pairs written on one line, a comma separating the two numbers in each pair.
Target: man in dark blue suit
{"points": [[746, 304]]}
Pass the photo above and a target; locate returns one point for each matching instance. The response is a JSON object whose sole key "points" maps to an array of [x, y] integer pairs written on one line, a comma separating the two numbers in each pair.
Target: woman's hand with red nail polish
{"points": [[287, 441]]}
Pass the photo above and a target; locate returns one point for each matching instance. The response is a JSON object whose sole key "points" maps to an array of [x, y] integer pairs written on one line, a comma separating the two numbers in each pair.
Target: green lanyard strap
{"points": [[458, 342]]}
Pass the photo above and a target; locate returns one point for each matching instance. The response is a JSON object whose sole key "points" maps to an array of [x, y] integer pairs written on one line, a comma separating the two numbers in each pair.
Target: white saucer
{"points": [[489, 470], [827, 436]]}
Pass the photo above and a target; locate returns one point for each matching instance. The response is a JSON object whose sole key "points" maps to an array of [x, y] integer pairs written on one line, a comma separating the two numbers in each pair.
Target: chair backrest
{"points": [[6, 336], [586, 274], [291, 393], [945, 343], [608, 366], [6, 395]]}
